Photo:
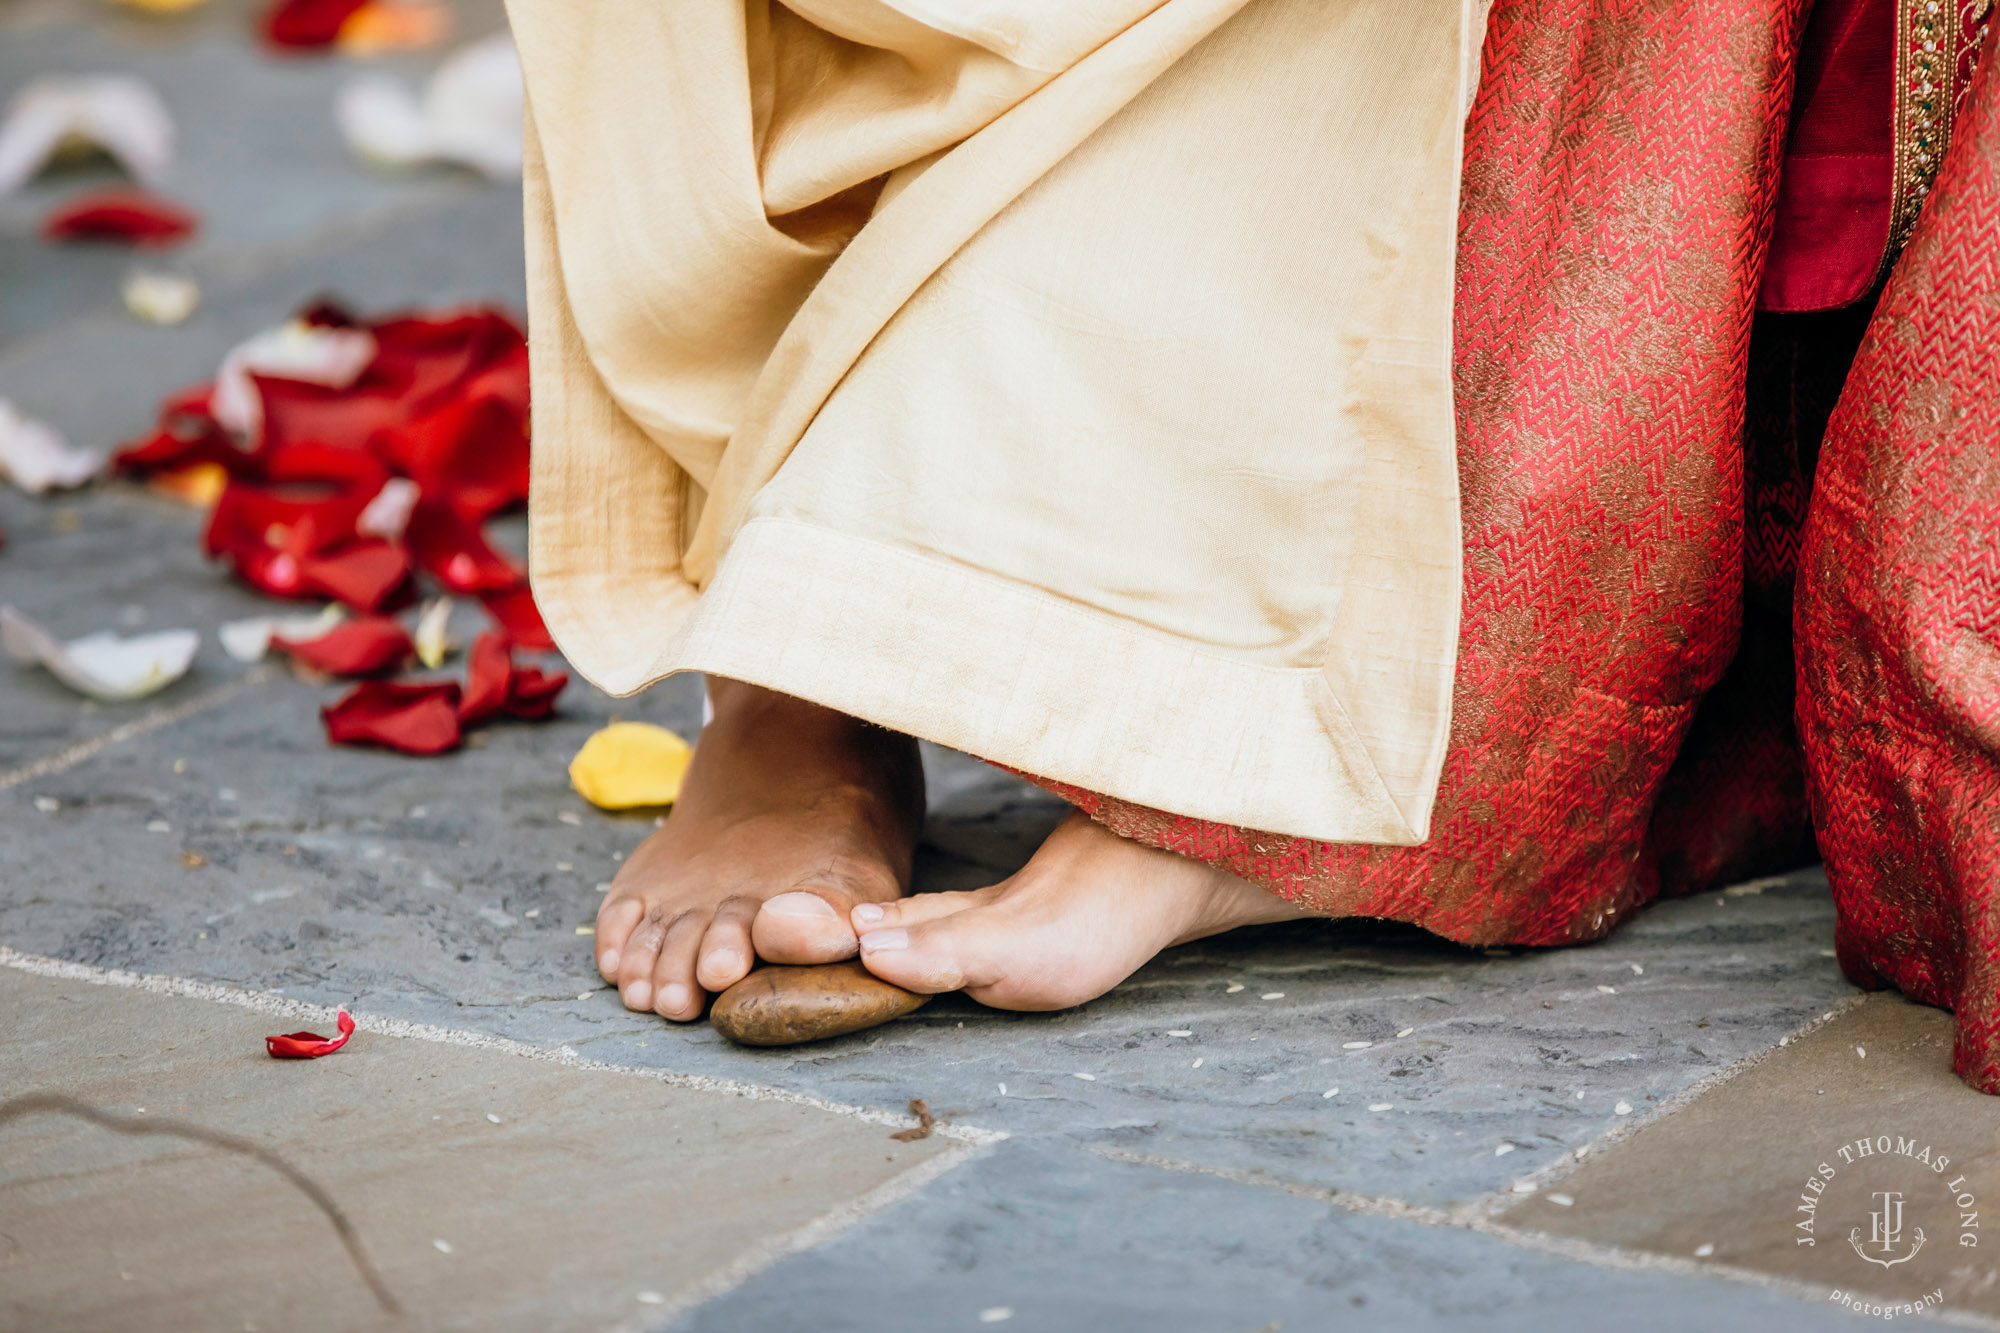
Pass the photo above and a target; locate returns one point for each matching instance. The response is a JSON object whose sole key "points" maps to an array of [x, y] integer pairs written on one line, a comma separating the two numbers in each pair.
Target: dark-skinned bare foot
{"points": [[1088, 910], [791, 815]]}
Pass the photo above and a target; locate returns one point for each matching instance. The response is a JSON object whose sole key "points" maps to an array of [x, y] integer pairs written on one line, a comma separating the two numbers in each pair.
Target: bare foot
{"points": [[1088, 910], [790, 816]]}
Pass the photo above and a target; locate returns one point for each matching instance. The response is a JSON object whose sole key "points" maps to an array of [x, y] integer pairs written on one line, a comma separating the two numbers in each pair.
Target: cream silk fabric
{"points": [[1065, 381]]}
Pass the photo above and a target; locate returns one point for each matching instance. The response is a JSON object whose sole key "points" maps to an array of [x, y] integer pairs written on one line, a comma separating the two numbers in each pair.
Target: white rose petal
{"points": [[102, 665], [470, 113], [36, 458], [115, 112]]}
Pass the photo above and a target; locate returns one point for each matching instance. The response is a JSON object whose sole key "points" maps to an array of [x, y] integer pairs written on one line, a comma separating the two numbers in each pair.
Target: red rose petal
{"points": [[449, 546], [474, 450], [416, 718], [358, 647], [366, 575], [310, 1045], [305, 24], [531, 695], [489, 672], [123, 214], [494, 685], [519, 619]]}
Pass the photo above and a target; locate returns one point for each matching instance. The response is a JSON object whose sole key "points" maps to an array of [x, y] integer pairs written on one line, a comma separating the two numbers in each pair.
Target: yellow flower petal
{"points": [[630, 764]]}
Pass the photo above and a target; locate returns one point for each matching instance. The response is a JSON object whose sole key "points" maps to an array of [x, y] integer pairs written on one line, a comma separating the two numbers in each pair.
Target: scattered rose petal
{"points": [[412, 718], [388, 515], [470, 113], [121, 214], [433, 644], [630, 764], [36, 458], [115, 112], [247, 640], [494, 685], [102, 665], [359, 647], [519, 619], [198, 485], [303, 352], [310, 1045], [307, 24], [160, 298], [401, 25]]}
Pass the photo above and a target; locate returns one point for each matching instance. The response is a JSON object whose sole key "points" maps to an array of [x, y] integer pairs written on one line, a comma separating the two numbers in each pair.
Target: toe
{"points": [[675, 994], [802, 928], [726, 953], [913, 910], [638, 959], [615, 920], [931, 957]]}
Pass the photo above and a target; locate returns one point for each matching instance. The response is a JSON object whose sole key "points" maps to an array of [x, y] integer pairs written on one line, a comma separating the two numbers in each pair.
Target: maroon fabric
{"points": [[1832, 220]]}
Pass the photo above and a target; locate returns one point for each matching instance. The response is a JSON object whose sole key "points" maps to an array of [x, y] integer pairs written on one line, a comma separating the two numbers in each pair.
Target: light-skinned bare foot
{"points": [[790, 816], [1089, 909]]}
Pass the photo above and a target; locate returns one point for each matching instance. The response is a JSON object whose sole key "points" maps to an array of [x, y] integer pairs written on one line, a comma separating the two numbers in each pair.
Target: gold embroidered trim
{"points": [[1934, 42]]}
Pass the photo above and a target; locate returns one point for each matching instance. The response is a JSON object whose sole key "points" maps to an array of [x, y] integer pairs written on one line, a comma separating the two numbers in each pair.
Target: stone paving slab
{"points": [[1833, 1119], [1066, 1240], [321, 880], [568, 1198]]}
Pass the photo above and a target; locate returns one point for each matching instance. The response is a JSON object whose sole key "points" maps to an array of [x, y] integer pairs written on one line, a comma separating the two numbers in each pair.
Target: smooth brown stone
{"points": [[783, 1006]]}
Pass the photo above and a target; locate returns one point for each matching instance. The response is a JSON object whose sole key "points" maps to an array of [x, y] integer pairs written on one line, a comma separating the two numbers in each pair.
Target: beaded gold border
{"points": [[1933, 40]]}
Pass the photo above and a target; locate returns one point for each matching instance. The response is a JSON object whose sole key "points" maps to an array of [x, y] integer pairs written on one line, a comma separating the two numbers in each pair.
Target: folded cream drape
{"points": [[1067, 381]]}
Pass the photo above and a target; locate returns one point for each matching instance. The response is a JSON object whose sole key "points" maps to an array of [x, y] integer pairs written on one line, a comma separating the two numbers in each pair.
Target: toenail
{"points": [[881, 941], [722, 959], [673, 997], [608, 960], [801, 905], [869, 913], [639, 994]]}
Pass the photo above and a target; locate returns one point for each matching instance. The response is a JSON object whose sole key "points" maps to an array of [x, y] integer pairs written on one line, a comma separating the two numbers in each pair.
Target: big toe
{"points": [[933, 957], [802, 928]]}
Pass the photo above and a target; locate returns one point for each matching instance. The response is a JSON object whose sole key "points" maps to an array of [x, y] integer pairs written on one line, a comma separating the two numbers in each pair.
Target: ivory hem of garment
{"points": [[1033, 682]]}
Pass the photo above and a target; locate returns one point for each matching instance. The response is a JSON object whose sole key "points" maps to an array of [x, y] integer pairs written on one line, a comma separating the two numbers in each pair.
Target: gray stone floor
{"points": [[1256, 1174]]}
